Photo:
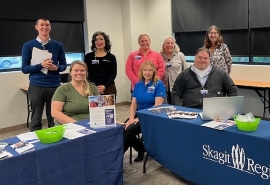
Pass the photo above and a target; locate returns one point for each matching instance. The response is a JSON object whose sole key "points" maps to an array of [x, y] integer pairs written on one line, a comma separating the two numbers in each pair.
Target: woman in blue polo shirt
{"points": [[148, 92]]}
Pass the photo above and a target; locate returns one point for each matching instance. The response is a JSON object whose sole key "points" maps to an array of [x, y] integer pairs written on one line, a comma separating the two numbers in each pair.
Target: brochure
{"points": [[218, 124], [4, 154], [182, 115], [86, 131], [102, 110], [158, 110], [3, 145], [23, 147]]}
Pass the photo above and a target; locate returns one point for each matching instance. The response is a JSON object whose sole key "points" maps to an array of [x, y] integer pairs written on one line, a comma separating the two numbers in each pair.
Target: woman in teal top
{"points": [[70, 100]]}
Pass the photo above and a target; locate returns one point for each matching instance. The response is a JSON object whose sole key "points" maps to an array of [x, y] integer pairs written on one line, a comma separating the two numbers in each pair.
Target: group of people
{"points": [[154, 76], [67, 103]]}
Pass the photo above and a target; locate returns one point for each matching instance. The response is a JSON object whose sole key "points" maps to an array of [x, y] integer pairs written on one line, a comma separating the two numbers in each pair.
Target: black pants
{"points": [[130, 137], [169, 97], [39, 96]]}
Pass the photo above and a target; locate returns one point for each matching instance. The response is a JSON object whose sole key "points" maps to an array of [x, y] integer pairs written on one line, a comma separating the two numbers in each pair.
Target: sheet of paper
{"points": [[4, 154], [71, 131], [219, 125], [72, 134], [29, 137], [38, 56], [3, 145], [72, 126]]}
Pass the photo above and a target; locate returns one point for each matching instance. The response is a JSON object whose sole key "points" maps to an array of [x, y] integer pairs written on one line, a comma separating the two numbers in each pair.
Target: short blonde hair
{"points": [[146, 63], [86, 85], [176, 47], [141, 35]]}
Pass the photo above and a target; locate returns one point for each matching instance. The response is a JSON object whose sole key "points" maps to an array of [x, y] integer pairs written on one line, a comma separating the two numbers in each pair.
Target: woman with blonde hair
{"points": [[148, 92], [175, 63], [70, 100], [136, 58]]}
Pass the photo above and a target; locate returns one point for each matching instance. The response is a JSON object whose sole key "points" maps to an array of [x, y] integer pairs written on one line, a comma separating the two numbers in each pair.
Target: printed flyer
{"points": [[102, 110]]}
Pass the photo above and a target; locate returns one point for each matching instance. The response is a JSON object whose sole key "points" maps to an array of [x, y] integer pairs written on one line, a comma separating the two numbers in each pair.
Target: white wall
{"points": [[13, 107], [158, 21], [123, 20]]}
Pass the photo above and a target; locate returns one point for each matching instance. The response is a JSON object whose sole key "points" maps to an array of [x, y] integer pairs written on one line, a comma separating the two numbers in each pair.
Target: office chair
{"points": [[64, 77]]}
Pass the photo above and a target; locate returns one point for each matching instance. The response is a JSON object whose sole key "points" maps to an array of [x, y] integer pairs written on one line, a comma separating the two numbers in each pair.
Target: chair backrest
{"points": [[64, 77]]}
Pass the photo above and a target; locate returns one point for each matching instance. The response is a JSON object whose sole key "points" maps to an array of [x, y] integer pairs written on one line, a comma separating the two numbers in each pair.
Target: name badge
{"points": [[138, 57], [95, 61], [151, 89], [204, 91], [168, 65]]}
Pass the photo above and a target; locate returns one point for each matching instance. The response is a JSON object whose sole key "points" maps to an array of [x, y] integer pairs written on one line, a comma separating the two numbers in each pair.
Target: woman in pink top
{"points": [[135, 59]]}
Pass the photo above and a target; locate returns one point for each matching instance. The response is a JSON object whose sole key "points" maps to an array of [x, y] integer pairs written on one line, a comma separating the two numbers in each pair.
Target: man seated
{"points": [[201, 80]]}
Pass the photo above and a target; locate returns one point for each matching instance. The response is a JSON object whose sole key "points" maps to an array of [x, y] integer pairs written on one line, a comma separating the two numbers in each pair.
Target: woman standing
{"points": [[219, 52], [70, 100], [148, 92], [175, 63], [135, 60], [102, 64]]}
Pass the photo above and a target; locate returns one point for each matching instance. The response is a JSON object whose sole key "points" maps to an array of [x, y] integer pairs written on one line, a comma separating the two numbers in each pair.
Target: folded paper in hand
{"points": [[38, 56]]}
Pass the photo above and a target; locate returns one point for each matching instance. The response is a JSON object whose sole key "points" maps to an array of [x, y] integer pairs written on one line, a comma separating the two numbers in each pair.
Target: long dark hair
{"points": [[108, 44], [207, 42]]}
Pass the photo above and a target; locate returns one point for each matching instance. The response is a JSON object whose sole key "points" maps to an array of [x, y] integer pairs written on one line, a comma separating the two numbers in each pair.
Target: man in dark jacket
{"points": [[201, 80]]}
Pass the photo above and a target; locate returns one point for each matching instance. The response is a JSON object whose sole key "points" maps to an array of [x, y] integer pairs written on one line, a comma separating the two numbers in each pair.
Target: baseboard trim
{"points": [[12, 128], [122, 103]]}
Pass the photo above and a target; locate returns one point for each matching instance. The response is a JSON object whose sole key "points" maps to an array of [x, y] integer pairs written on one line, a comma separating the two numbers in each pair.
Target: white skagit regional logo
{"points": [[236, 159]]}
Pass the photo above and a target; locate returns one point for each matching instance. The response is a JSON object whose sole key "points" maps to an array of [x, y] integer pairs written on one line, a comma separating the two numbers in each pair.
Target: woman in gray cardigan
{"points": [[175, 63]]}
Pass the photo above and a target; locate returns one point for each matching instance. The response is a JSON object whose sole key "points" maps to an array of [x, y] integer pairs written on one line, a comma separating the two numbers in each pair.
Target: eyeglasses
{"points": [[213, 33]]}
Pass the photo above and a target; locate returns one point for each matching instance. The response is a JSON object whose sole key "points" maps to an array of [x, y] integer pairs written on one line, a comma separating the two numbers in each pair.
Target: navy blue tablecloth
{"points": [[93, 159], [204, 155]]}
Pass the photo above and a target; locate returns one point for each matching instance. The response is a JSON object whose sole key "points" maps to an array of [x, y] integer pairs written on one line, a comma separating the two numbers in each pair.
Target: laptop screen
{"points": [[222, 107]]}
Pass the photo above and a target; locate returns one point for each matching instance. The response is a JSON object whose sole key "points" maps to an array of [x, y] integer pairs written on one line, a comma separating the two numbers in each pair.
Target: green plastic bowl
{"points": [[247, 126], [51, 135]]}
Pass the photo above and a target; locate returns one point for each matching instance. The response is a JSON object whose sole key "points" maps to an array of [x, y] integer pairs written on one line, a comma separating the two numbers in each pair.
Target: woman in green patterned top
{"points": [[70, 100]]}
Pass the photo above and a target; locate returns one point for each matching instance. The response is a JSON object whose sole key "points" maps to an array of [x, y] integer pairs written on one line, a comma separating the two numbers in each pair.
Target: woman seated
{"points": [[148, 92], [70, 100]]}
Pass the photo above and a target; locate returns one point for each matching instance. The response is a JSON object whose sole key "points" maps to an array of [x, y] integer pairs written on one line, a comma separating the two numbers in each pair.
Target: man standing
{"points": [[201, 80], [43, 84]]}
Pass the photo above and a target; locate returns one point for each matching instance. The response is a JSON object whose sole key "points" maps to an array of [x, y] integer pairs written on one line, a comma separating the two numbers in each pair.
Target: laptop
{"points": [[222, 107]]}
